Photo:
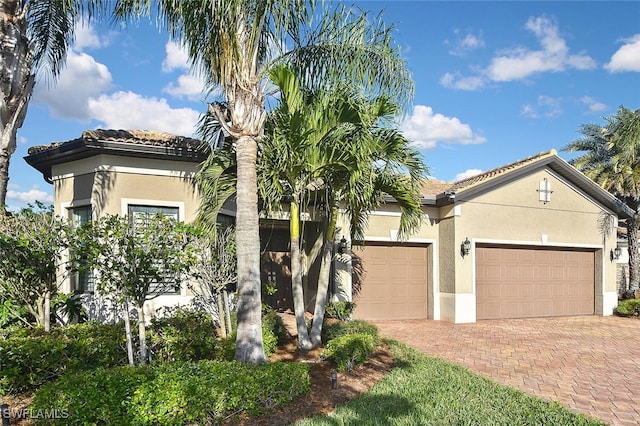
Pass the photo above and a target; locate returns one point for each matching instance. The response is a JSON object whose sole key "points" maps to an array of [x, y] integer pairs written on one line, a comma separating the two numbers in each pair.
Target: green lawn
{"points": [[423, 390]]}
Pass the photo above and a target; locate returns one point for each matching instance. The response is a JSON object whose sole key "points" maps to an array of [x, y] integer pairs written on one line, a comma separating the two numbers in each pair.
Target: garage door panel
{"points": [[534, 282], [394, 282]]}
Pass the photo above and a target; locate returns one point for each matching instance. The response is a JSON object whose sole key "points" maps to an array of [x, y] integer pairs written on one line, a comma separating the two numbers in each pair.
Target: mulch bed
{"points": [[322, 399]]}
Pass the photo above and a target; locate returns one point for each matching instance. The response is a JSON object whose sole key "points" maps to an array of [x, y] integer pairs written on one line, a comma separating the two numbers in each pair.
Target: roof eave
{"points": [[425, 200], [84, 148]]}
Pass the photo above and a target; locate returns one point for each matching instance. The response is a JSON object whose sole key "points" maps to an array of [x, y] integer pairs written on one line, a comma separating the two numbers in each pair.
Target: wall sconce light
{"points": [[465, 247], [615, 254], [342, 245]]}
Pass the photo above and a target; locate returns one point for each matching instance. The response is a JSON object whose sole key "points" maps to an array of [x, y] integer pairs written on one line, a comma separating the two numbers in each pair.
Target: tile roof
{"points": [[141, 137], [436, 187], [486, 176]]}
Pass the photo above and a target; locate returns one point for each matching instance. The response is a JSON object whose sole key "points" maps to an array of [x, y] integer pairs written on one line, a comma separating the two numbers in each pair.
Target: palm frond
{"points": [[51, 29]]}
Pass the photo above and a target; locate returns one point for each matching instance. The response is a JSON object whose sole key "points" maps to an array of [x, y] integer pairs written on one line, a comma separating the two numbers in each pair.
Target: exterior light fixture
{"points": [[334, 378], [615, 253], [342, 245], [465, 247]]}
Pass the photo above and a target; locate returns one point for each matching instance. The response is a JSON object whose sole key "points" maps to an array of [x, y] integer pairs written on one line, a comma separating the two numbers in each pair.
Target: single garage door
{"points": [[534, 282], [390, 281]]}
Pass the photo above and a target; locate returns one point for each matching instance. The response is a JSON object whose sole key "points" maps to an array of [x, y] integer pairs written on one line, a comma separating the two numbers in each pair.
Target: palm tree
{"points": [[235, 43], [35, 36], [382, 164], [343, 147], [611, 158], [302, 141]]}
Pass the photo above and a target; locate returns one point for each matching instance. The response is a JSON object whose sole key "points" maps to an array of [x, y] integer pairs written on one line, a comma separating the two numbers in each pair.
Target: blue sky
{"points": [[495, 82]]}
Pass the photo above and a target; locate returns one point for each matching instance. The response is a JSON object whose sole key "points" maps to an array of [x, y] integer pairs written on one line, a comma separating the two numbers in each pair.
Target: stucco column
{"points": [[342, 288]]}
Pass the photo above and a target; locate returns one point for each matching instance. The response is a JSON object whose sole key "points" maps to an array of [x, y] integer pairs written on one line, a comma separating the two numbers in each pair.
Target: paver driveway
{"points": [[589, 364]]}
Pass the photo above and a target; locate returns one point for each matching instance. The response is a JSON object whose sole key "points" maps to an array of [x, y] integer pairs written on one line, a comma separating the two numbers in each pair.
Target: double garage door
{"points": [[534, 282], [390, 281]]}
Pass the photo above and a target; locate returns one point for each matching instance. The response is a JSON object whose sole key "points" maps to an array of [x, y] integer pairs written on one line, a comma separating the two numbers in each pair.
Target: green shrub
{"points": [[226, 348], [272, 321], [16, 330], [183, 336], [30, 358], [333, 330], [339, 310], [629, 307], [349, 350], [177, 393]]}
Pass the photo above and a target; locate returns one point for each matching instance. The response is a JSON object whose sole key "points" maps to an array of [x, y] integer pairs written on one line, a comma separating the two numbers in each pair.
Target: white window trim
{"points": [[126, 202]]}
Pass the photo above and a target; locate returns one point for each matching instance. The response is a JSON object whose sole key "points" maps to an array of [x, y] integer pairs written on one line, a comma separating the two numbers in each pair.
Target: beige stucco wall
{"points": [[385, 222]]}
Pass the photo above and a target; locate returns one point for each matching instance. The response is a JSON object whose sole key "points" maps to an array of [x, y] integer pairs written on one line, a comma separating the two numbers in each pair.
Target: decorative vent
{"points": [[544, 191]]}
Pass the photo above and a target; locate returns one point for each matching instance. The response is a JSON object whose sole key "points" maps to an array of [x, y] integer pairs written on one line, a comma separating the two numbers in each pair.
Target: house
{"points": [[522, 240]]}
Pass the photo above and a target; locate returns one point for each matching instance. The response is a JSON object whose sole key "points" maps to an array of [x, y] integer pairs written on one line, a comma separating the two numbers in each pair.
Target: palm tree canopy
{"points": [[340, 143], [235, 44], [611, 154], [51, 28]]}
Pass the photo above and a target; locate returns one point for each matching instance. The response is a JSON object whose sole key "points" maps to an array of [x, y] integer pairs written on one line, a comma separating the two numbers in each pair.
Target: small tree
{"points": [[32, 243], [215, 271], [136, 260]]}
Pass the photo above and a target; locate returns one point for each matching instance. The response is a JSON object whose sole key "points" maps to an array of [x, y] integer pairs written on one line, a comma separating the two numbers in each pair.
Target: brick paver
{"points": [[590, 364]]}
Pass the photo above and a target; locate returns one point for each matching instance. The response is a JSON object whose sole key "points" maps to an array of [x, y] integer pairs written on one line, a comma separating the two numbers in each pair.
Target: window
{"points": [[139, 215], [225, 221], [82, 281]]}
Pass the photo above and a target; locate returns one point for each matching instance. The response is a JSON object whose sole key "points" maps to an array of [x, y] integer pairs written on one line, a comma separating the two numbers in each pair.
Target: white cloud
{"points": [[627, 58], [553, 57], [86, 37], [177, 57], [188, 86], [467, 174], [82, 79], [546, 107], [30, 196], [128, 110], [80, 94], [455, 81], [466, 43], [520, 63], [425, 129], [593, 105]]}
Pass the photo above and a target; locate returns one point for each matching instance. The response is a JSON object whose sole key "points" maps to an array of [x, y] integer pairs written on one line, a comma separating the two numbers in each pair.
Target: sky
{"points": [[495, 82]]}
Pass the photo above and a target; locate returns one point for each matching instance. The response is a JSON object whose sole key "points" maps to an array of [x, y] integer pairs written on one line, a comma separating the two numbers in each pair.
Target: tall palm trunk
{"points": [[633, 227], [249, 346], [16, 83], [296, 277], [323, 279]]}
